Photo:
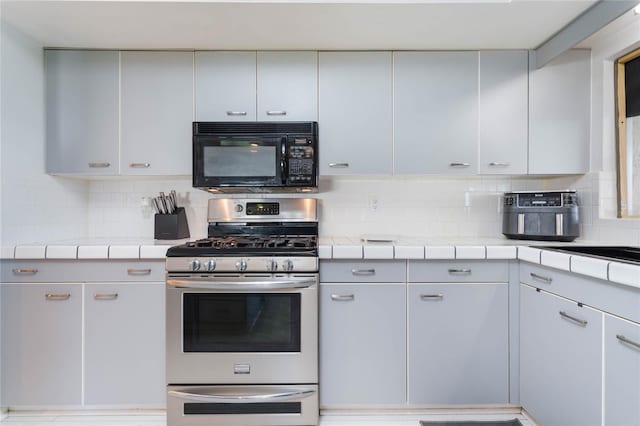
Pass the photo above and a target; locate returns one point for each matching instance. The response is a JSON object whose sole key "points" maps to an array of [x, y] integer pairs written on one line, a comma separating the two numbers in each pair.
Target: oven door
{"points": [[220, 161], [242, 405], [243, 328]]}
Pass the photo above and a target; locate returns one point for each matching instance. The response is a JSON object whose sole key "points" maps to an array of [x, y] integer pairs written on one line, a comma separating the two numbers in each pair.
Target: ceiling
{"points": [[293, 24]]}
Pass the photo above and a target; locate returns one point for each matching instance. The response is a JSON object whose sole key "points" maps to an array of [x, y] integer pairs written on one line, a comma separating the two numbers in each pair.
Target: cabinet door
{"points": [[435, 112], [362, 344], [287, 86], [41, 344], [458, 344], [621, 372], [82, 111], [157, 112], [125, 344], [503, 112], [559, 115], [225, 86], [355, 109], [560, 360]]}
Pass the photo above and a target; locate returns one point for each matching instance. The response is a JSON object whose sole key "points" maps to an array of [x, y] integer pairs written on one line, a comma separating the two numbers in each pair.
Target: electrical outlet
{"points": [[373, 203]]}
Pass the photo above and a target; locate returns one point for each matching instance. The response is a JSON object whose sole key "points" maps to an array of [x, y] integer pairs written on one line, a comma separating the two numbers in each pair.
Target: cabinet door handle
{"points": [[139, 271], [99, 165], [541, 278], [498, 164], [363, 271], [25, 271], [339, 165], [276, 112], [105, 296], [574, 319], [460, 271], [54, 296], [140, 165], [459, 164], [236, 113], [627, 341], [438, 296], [343, 297]]}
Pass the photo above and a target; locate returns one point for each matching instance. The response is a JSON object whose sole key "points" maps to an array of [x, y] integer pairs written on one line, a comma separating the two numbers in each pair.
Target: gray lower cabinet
{"points": [[621, 372], [124, 344], [560, 360], [362, 344], [458, 343], [41, 344]]}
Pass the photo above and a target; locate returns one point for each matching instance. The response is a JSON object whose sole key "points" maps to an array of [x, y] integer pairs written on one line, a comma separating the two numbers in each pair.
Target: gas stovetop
{"points": [[248, 245]]}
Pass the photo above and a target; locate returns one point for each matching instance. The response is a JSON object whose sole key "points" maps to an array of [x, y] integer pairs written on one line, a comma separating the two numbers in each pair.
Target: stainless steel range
{"points": [[242, 317]]}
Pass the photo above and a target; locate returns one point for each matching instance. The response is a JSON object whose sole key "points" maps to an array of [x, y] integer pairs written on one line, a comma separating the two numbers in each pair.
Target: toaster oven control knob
{"points": [[272, 265], [287, 265], [241, 265], [194, 265], [211, 265]]}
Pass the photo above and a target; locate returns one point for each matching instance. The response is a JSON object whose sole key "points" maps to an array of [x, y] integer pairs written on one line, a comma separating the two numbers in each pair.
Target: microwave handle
{"points": [[284, 161]]}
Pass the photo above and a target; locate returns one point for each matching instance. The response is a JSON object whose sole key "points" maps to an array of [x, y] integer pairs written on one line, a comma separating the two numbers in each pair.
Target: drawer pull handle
{"points": [[574, 319], [26, 271], [140, 165], [541, 278], [363, 271], [105, 296], [438, 296], [99, 165], [342, 297], [54, 296], [459, 164], [460, 271], [627, 341], [276, 112], [235, 113], [498, 164], [339, 165], [139, 271]]}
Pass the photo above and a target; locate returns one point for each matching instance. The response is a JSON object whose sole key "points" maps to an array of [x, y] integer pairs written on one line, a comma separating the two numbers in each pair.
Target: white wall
{"points": [[33, 204]]}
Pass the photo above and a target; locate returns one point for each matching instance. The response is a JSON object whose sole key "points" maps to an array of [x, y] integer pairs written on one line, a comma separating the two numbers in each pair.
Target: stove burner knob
{"points": [[194, 265], [241, 265], [287, 265], [239, 208], [272, 265], [211, 265]]}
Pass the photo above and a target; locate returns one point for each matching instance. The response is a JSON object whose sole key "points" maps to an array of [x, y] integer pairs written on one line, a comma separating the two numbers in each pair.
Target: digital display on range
{"points": [[263, 209]]}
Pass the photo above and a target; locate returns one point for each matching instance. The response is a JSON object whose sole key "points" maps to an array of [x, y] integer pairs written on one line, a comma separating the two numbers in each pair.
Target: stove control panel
{"points": [[263, 209], [272, 264]]}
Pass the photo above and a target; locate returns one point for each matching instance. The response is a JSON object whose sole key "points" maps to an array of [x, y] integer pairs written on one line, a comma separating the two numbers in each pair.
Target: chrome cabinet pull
{"points": [[276, 112], [438, 296], [363, 271], [54, 296], [460, 271], [140, 165], [99, 165], [498, 164], [574, 319], [627, 341], [105, 296], [339, 165], [286, 395], [343, 297], [25, 271], [236, 113], [541, 278], [139, 271], [459, 164]]}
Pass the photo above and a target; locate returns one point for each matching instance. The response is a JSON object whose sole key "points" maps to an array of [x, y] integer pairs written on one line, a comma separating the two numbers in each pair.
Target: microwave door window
{"points": [[249, 160]]}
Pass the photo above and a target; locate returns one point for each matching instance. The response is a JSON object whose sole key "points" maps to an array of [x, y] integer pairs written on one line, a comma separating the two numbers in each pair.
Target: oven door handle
{"points": [[240, 285], [289, 395]]}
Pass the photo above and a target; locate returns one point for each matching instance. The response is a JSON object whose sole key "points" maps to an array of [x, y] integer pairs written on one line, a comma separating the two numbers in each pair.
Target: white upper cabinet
{"points": [[287, 86], [225, 86], [436, 112], [503, 112], [156, 113], [82, 112], [355, 112], [559, 115]]}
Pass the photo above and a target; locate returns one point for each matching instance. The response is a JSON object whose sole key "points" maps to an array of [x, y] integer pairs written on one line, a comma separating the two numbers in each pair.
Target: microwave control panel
{"points": [[301, 161]]}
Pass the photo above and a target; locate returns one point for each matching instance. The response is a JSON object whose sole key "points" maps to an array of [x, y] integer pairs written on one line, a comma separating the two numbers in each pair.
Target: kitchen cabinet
{"points": [[82, 107], [156, 113], [560, 359], [124, 344], [435, 112], [559, 115], [621, 372], [503, 136], [41, 344], [356, 110]]}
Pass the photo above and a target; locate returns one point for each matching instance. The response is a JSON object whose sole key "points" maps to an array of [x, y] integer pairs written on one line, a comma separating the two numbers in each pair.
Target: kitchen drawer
{"points": [[433, 271], [347, 271], [617, 299], [80, 271]]}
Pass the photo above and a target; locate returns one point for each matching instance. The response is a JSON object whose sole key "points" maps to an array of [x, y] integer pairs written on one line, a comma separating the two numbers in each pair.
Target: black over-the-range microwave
{"points": [[255, 156]]}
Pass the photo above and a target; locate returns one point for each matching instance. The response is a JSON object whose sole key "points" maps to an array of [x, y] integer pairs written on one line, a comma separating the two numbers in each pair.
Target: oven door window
{"points": [[241, 322]]}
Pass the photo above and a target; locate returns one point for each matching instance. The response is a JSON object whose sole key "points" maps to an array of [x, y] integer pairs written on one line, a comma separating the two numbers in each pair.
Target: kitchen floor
{"points": [[53, 419]]}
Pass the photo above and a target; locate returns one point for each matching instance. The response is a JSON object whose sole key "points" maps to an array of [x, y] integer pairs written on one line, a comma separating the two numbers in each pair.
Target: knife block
{"points": [[171, 226]]}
